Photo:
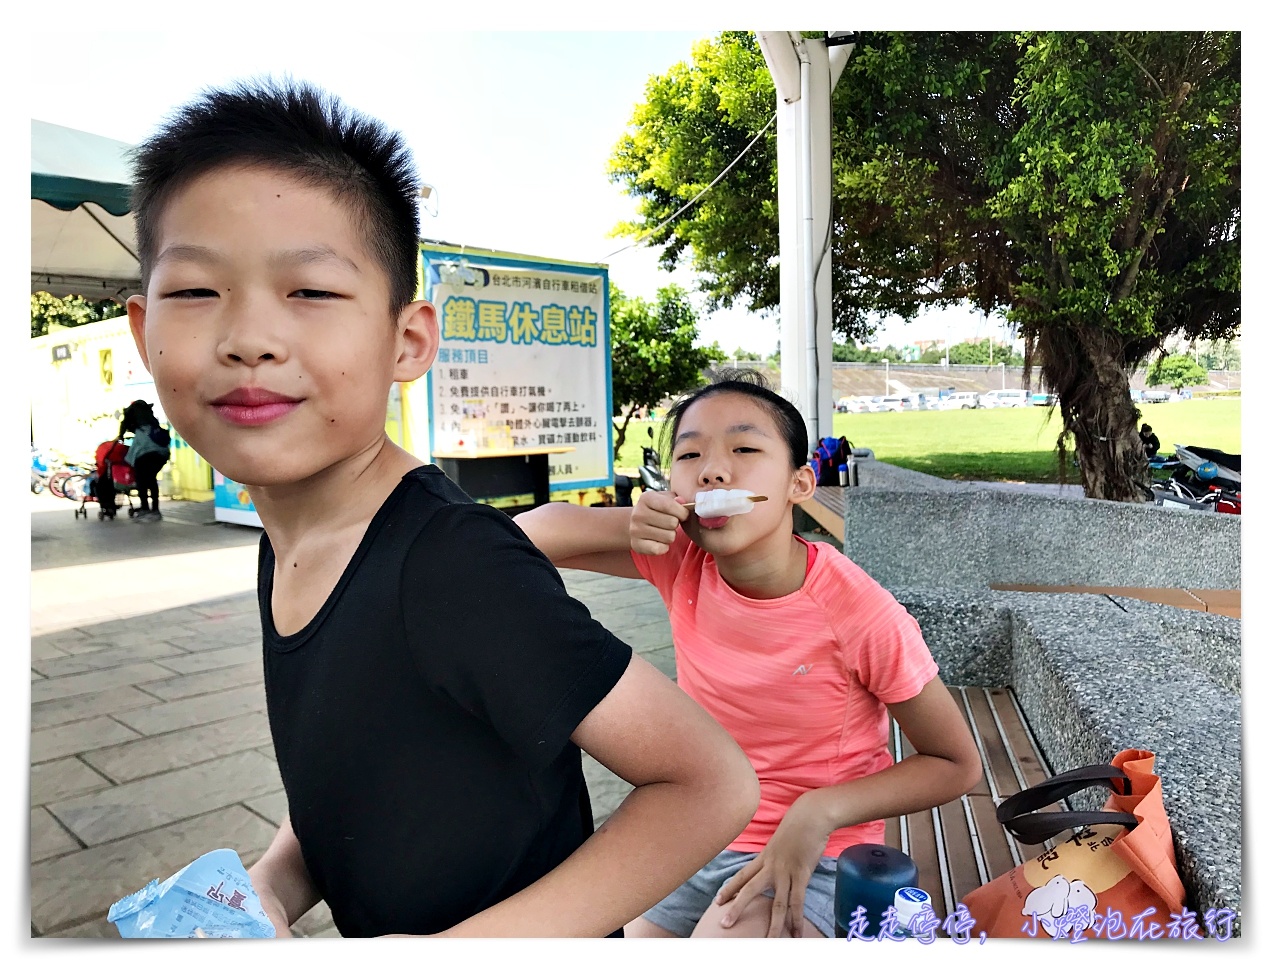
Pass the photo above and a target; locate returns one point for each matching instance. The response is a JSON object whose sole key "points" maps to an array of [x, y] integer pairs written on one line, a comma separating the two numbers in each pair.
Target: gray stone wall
{"points": [[1095, 674], [909, 529]]}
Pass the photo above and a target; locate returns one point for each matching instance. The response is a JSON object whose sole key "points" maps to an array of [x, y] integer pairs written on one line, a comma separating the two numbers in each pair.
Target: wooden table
{"points": [[506, 471]]}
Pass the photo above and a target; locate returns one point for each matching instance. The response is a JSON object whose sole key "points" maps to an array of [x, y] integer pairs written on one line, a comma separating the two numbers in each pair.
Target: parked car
{"points": [[893, 402], [1007, 398], [853, 405], [1043, 400], [959, 401], [1157, 395], [875, 403]]}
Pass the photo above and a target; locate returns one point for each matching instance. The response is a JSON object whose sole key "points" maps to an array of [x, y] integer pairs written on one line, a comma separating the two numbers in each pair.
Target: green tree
{"points": [[1083, 185], [979, 352], [740, 354], [652, 352], [70, 311], [1178, 370]]}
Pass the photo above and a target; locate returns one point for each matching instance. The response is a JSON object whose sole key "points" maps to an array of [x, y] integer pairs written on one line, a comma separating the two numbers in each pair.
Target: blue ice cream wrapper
{"points": [[212, 897]]}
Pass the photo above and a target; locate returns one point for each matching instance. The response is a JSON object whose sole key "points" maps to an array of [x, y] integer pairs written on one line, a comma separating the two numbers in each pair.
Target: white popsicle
{"points": [[718, 502]]}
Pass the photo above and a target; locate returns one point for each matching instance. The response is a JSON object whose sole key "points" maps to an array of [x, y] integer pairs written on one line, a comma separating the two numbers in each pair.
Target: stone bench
{"points": [[1095, 674]]}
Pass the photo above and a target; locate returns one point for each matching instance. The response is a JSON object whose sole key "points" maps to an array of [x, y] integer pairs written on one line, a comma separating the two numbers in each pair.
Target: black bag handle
{"points": [[1020, 814], [1035, 827]]}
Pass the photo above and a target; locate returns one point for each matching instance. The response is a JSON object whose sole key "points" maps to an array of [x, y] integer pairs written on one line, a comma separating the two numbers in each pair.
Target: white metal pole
{"points": [[810, 262]]}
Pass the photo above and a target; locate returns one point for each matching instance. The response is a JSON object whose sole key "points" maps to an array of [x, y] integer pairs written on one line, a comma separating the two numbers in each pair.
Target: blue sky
{"points": [[513, 129]]}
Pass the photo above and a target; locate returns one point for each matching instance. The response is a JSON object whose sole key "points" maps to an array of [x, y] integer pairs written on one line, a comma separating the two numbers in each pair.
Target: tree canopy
{"points": [[70, 311], [1178, 370], [1083, 185], [652, 352]]}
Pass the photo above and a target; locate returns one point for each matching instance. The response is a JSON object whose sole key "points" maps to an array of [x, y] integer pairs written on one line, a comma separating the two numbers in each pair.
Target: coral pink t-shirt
{"points": [[800, 681]]}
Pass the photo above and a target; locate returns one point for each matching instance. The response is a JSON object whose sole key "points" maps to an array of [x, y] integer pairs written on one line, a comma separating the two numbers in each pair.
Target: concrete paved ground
{"points": [[149, 740]]}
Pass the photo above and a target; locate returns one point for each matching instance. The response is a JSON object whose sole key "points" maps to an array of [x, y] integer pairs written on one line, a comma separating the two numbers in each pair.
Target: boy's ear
{"points": [[803, 484], [417, 340], [136, 306]]}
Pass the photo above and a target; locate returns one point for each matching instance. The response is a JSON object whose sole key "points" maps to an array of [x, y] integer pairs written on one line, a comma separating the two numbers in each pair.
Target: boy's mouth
{"points": [[253, 406]]}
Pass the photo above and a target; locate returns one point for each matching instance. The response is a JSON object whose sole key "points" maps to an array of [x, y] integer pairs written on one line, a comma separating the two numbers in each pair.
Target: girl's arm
{"points": [[945, 765], [694, 792], [602, 540]]}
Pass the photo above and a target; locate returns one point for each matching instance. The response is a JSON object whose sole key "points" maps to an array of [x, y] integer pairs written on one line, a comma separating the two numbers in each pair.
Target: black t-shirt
{"points": [[422, 719]]}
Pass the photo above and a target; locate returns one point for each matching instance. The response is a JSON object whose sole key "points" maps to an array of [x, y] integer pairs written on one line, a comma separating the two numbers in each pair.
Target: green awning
{"points": [[70, 167], [83, 238]]}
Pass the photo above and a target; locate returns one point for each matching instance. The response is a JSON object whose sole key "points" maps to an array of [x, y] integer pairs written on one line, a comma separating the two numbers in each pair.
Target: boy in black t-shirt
{"points": [[429, 683]]}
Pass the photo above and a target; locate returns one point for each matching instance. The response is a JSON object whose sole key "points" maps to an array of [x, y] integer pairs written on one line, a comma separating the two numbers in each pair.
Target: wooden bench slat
{"points": [[961, 845]]}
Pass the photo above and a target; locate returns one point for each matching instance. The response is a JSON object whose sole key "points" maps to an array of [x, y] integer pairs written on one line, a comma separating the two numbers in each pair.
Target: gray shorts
{"points": [[680, 912]]}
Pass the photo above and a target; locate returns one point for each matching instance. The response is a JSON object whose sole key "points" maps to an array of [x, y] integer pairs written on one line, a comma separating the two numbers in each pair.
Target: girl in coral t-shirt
{"points": [[797, 652]]}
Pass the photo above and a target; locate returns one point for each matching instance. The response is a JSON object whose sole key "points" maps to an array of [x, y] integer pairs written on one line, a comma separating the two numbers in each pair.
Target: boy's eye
{"points": [[746, 449], [193, 293], [315, 294], [686, 454]]}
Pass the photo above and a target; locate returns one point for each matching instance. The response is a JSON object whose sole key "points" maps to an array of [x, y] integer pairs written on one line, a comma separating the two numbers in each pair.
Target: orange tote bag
{"points": [[1115, 877]]}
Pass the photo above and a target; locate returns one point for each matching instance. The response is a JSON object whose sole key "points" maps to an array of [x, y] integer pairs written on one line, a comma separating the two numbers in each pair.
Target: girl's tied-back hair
{"points": [[300, 131], [752, 383]]}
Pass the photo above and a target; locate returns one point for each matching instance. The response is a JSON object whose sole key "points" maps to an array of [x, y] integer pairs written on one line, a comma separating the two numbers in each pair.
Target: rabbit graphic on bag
{"points": [[1052, 901]]}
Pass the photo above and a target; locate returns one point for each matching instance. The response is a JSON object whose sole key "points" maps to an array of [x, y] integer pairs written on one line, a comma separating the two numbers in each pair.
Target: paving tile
{"points": [[272, 806], [81, 706], [207, 682], [81, 886], [664, 660], [97, 680], [189, 711], [268, 751], [55, 780], [606, 790], [43, 651], [648, 636], [109, 656], [35, 676], [193, 663], [95, 929], [64, 640], [205, 638], [165, 752], [120, 811], [67, 739], [47, 837]]}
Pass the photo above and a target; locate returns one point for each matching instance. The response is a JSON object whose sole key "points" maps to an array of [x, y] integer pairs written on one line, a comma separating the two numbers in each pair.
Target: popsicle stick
{"points": [[750, 498]]}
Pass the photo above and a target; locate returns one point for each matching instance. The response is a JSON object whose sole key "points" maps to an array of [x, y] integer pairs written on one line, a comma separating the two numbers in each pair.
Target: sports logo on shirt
{"points": [[802, 670]]}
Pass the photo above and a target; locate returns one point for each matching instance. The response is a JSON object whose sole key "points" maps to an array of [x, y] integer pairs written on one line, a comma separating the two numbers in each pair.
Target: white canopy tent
{"points": [[82, 235]]}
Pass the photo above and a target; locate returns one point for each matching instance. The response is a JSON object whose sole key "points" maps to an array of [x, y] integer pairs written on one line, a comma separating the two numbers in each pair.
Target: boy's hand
{"points": [[784, 865], [652, 529], [273, 908]]}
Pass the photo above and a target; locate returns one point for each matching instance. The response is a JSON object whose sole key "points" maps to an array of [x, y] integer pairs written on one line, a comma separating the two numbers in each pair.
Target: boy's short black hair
{"points": [[744, 380], [299, 130]]}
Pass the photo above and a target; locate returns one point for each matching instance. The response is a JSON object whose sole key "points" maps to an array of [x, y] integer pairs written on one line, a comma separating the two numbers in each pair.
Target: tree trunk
{"points": [[623, 430], [1085, 367]]}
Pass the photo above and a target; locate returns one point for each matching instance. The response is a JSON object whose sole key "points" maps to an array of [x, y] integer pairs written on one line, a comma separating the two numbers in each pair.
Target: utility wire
{"points": [[713, 182]]}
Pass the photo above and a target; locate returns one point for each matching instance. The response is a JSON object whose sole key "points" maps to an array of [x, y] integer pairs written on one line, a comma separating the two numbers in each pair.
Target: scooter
{"points": [[650, 475], [1202, 479], [651, 470]]}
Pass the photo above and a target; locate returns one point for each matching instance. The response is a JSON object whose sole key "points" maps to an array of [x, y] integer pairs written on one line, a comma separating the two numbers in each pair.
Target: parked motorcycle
{"points": [[1201, 479], [650, 474]]}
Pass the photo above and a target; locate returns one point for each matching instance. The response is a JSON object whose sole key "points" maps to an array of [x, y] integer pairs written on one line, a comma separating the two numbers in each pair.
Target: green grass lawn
{"points": [[1003, 444]]}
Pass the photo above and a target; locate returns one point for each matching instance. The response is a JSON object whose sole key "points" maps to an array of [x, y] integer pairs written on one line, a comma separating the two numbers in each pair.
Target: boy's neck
{"points": [[768, 569], [345, 495]]}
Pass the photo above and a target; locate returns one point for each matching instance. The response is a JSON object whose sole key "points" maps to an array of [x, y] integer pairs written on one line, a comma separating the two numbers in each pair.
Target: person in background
{"points": [[1149, 440], [147, 453]]}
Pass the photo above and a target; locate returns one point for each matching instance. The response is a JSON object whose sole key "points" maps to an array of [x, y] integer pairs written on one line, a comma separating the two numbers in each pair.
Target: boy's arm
{"points": [[694, 792], [282, 882]]}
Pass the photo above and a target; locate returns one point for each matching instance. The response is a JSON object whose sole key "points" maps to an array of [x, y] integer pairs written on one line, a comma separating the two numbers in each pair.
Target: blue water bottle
{"points": [[869, 876]]}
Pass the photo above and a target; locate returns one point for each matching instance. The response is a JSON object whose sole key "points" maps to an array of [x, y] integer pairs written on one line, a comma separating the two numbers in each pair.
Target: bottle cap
{"points": [[907, 903], [844, 468]]}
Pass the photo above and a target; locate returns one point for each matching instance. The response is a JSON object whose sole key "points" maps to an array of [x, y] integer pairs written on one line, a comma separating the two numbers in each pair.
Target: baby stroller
{"points": [[114, 476]]}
